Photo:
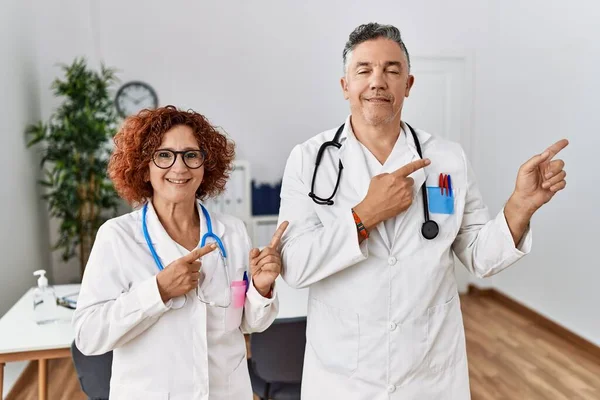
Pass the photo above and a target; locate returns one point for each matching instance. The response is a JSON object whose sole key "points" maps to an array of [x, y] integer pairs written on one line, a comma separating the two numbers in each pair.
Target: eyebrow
{"points": [[185, 149], [386, 64]]}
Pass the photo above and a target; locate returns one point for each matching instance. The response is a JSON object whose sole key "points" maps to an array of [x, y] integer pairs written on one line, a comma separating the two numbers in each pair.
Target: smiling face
{"points": [[377, 81], [178, 183]]}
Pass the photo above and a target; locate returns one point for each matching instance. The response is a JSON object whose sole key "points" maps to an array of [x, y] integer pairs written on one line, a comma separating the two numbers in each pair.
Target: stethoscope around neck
{"points": [[208, 235], [429, 229]]}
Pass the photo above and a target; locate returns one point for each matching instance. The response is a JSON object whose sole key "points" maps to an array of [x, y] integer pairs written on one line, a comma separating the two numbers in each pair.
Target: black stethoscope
{"points": [[430, 228]]}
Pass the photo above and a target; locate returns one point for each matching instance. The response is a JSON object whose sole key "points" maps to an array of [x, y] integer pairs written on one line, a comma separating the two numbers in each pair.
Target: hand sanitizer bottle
{"points": [[44, 300]]}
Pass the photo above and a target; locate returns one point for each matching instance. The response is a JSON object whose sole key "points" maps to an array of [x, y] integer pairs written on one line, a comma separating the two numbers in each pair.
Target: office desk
{"points": [[21, 339]]}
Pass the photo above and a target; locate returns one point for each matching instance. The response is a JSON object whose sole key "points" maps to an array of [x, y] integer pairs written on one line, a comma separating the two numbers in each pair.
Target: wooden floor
{"points": [[62, 382], [510, 358]]}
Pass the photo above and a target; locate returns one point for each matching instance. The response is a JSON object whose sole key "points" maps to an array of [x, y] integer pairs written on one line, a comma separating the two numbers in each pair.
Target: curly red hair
{"points": [[141, 135]]}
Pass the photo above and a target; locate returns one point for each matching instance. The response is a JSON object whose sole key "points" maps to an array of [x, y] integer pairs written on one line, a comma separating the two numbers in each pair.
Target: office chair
{"points": [[94, 373], [277, 358]]}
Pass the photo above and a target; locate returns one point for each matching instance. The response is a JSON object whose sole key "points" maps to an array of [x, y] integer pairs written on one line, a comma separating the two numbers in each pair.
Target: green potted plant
{"points": [[75, 150]]}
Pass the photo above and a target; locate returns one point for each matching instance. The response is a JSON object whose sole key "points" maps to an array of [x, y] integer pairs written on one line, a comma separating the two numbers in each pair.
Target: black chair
{"points": [[277, 359], [93, 372]]}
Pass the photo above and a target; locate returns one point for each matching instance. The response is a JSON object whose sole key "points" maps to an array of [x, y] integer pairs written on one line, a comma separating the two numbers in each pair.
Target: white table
{"points": [[21, 339]]}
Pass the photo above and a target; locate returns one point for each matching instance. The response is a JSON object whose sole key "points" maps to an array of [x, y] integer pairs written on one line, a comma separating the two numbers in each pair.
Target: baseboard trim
{"points": [[582, 343]]}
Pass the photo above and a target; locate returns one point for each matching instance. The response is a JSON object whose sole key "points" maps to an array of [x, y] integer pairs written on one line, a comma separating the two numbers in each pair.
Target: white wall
{"points": [[537, 81], [264, 70], [268, 73], [24, 233]]}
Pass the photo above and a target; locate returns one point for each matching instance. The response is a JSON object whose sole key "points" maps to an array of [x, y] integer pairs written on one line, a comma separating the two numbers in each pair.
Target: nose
{"points": [[377, 81], [179, 165]]}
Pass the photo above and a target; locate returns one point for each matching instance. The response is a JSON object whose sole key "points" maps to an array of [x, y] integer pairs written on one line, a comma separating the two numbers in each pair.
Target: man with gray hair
{"points": [[376, 211]]}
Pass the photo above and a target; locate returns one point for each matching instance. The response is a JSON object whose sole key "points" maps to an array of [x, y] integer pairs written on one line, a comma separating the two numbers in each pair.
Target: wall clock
{"points": [[135, 96]]}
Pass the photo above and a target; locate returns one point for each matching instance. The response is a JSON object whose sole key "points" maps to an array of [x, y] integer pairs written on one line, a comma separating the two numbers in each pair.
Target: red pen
{"points": [[441, 184], [446, 185]]}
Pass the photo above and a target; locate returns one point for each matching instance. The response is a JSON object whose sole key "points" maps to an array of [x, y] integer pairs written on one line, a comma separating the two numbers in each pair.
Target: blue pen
{"points": [[246, 280], [449, 186]]}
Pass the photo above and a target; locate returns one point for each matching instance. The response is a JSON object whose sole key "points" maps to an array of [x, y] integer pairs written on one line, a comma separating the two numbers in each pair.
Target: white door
{"points": [[440, 103]]}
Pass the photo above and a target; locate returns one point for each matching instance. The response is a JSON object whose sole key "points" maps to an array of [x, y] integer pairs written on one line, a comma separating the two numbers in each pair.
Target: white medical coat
{"points": [[384, 317], [181, 350]]}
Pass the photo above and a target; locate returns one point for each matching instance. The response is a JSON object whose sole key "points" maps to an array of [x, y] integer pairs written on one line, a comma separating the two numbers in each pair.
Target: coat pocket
{"points": [[233, 313], [233, 318], [445, 211], [445, 335], [333, 335]]}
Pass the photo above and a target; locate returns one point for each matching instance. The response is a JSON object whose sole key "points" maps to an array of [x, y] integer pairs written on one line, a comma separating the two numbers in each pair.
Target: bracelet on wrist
{"points": [[362, 231]]}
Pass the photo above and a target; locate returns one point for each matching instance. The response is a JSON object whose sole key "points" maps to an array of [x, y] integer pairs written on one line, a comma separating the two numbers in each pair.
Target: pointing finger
{"points": [[198, 252], [278, 234], [557, 147], [409, 168], [547, 155]]}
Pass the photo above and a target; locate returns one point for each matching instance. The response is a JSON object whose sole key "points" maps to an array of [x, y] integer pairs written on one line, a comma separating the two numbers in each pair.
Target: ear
{"points": [[344, 84], [409, 84]]}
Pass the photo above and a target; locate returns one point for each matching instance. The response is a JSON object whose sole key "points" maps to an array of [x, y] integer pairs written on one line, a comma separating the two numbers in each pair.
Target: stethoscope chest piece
{"points": [[430, 229]]}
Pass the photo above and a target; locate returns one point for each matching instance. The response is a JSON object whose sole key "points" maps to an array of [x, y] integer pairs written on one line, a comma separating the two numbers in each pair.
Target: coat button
{"points": [[392, 260], [391, 388], [392, 326]]}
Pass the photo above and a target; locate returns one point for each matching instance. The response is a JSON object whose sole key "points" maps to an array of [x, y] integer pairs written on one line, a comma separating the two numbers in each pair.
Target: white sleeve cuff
{"points": [[360, 250], [149, 298], [256, 299], [524, 246]]}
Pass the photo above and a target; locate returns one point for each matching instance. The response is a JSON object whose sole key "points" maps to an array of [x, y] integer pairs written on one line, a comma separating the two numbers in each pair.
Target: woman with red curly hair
{"points": [[175, 324]]}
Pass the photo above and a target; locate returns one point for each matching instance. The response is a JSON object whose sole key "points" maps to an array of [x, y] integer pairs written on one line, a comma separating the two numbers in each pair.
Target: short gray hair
{"points": [[372, 31]]}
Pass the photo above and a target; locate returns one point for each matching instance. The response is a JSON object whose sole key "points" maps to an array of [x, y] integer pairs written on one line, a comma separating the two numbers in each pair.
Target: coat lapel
{"points": [[355, 163], [419, 176]]}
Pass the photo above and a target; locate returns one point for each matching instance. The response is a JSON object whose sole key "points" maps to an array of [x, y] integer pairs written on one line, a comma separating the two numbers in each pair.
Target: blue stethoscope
{"points": [[208, 235]]}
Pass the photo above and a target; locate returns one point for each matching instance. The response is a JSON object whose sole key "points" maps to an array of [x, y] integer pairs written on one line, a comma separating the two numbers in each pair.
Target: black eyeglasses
{"points": [[164, 158]]}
